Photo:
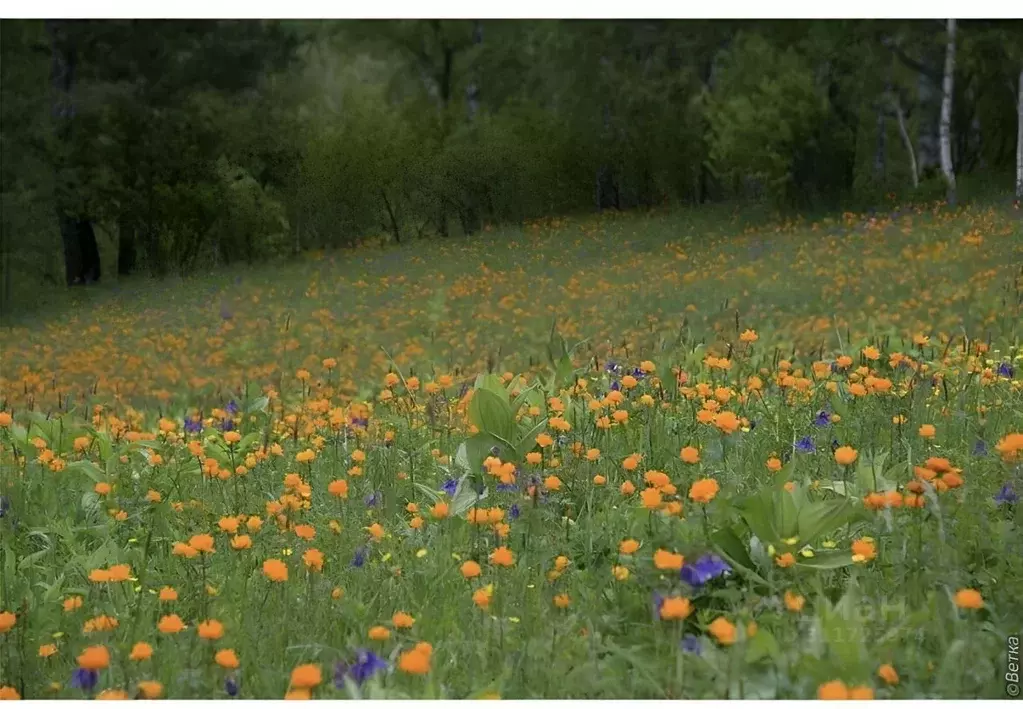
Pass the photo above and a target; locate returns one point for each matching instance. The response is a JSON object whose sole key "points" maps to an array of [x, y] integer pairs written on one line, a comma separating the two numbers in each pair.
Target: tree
{"points": [[947, 85]]}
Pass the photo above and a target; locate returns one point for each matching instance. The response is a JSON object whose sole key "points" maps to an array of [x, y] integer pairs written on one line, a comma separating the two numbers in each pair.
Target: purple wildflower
{"points": [[84, 679], [704, 569], [372, 498], [4, 505], [823, 418], [615, 386], [231, 686], [192, 425], [365, 666], [980, 448], [1006, 370], [1007, 495], [806, 445], [691, 644], [449, 487], [359, 559], [513, 511], [232, 407]]}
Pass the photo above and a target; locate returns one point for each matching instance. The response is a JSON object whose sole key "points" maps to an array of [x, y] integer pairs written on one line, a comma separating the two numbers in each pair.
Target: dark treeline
{"points": [[164, 146]]}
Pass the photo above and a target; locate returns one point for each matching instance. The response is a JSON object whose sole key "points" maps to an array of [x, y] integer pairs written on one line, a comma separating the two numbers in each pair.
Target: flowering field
{"points": [[645, 456]]}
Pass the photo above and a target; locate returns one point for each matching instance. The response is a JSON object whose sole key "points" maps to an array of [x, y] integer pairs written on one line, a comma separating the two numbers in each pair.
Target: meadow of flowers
{"points": [[644, 456]]}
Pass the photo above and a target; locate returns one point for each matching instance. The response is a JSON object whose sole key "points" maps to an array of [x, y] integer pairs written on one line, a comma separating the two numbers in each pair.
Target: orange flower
{"points": [[845, 455], [863, 550], [704, 490], [402, 620], [119, 572], [8, 693], [417, 660], [471, 570], [305, 531], [544, 440], [502, 556], [834, 689], [141, 651], [99, 575], [723, 631], [7, 621], [168, 594], [534, 458], [70, 604], [861, 693], [562, 600], [170, 624], [376, 530], [338, 488], [690, 455], [668, 561], [226, 659], [651, 498], [628, 546], [242, 541], [785, 560], [773, 464], [306, 676], [313, 559], [275, 570], [228, 524], [927, 431], [439, 510], [202, 543], [211, 630], [675, 608], [102, 488], [150, 688], [48, 650], [379, 632], [112, 694], [95, 657], [552, 483], [303, 694], [794, 602], [727, 422], [969, 599], [887, 673], [628, 488]]}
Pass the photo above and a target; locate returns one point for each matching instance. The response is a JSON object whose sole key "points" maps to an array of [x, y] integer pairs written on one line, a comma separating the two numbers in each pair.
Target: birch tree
{"points": [[1019, 138], [947, 87]]}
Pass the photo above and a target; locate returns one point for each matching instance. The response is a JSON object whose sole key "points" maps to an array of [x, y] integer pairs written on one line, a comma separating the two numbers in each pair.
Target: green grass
{"points": [[675, 290]]}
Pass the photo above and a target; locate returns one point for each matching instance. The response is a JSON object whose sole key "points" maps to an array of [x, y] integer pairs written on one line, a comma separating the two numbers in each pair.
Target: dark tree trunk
{"points": [[126, 255], [390, 214], [81, 253]]}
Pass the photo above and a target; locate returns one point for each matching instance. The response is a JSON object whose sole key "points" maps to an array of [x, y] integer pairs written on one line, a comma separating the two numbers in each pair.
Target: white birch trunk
{"points": [[947, 85], [900, 118], [1019, 138]]}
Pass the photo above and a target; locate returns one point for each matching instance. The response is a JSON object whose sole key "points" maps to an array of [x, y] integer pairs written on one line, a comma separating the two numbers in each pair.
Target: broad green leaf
{"points": [[825, 560], [490, 413], [760, 646], [93, 471], [823, 518]]}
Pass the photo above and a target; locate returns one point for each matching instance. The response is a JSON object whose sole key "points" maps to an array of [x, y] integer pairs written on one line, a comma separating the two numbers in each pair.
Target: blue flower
{"points": [[360, 557], [513, 511], [507, 487], [704, 569], [638, 373], [980, 448], [1007, 495], [4, 505], [192, 426], [232, 407], [691, 644], [357, 422], [227, 425], [372, 499], [806, 445], [1006, 370], [615, 386], [611, 367], [84, 679], [365, 666], [231, 686], [657, 600], [823, 418], [449, 487]]}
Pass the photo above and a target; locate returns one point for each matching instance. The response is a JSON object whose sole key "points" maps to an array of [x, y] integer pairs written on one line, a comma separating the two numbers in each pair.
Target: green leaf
{"points": [[757, 512], [433, 495], [824, 517], [786, 515], [825, 560], [258, 405], [528, 439], [93, 471], [760, 646], [493, 384], [490, 413], [730, 546]]}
